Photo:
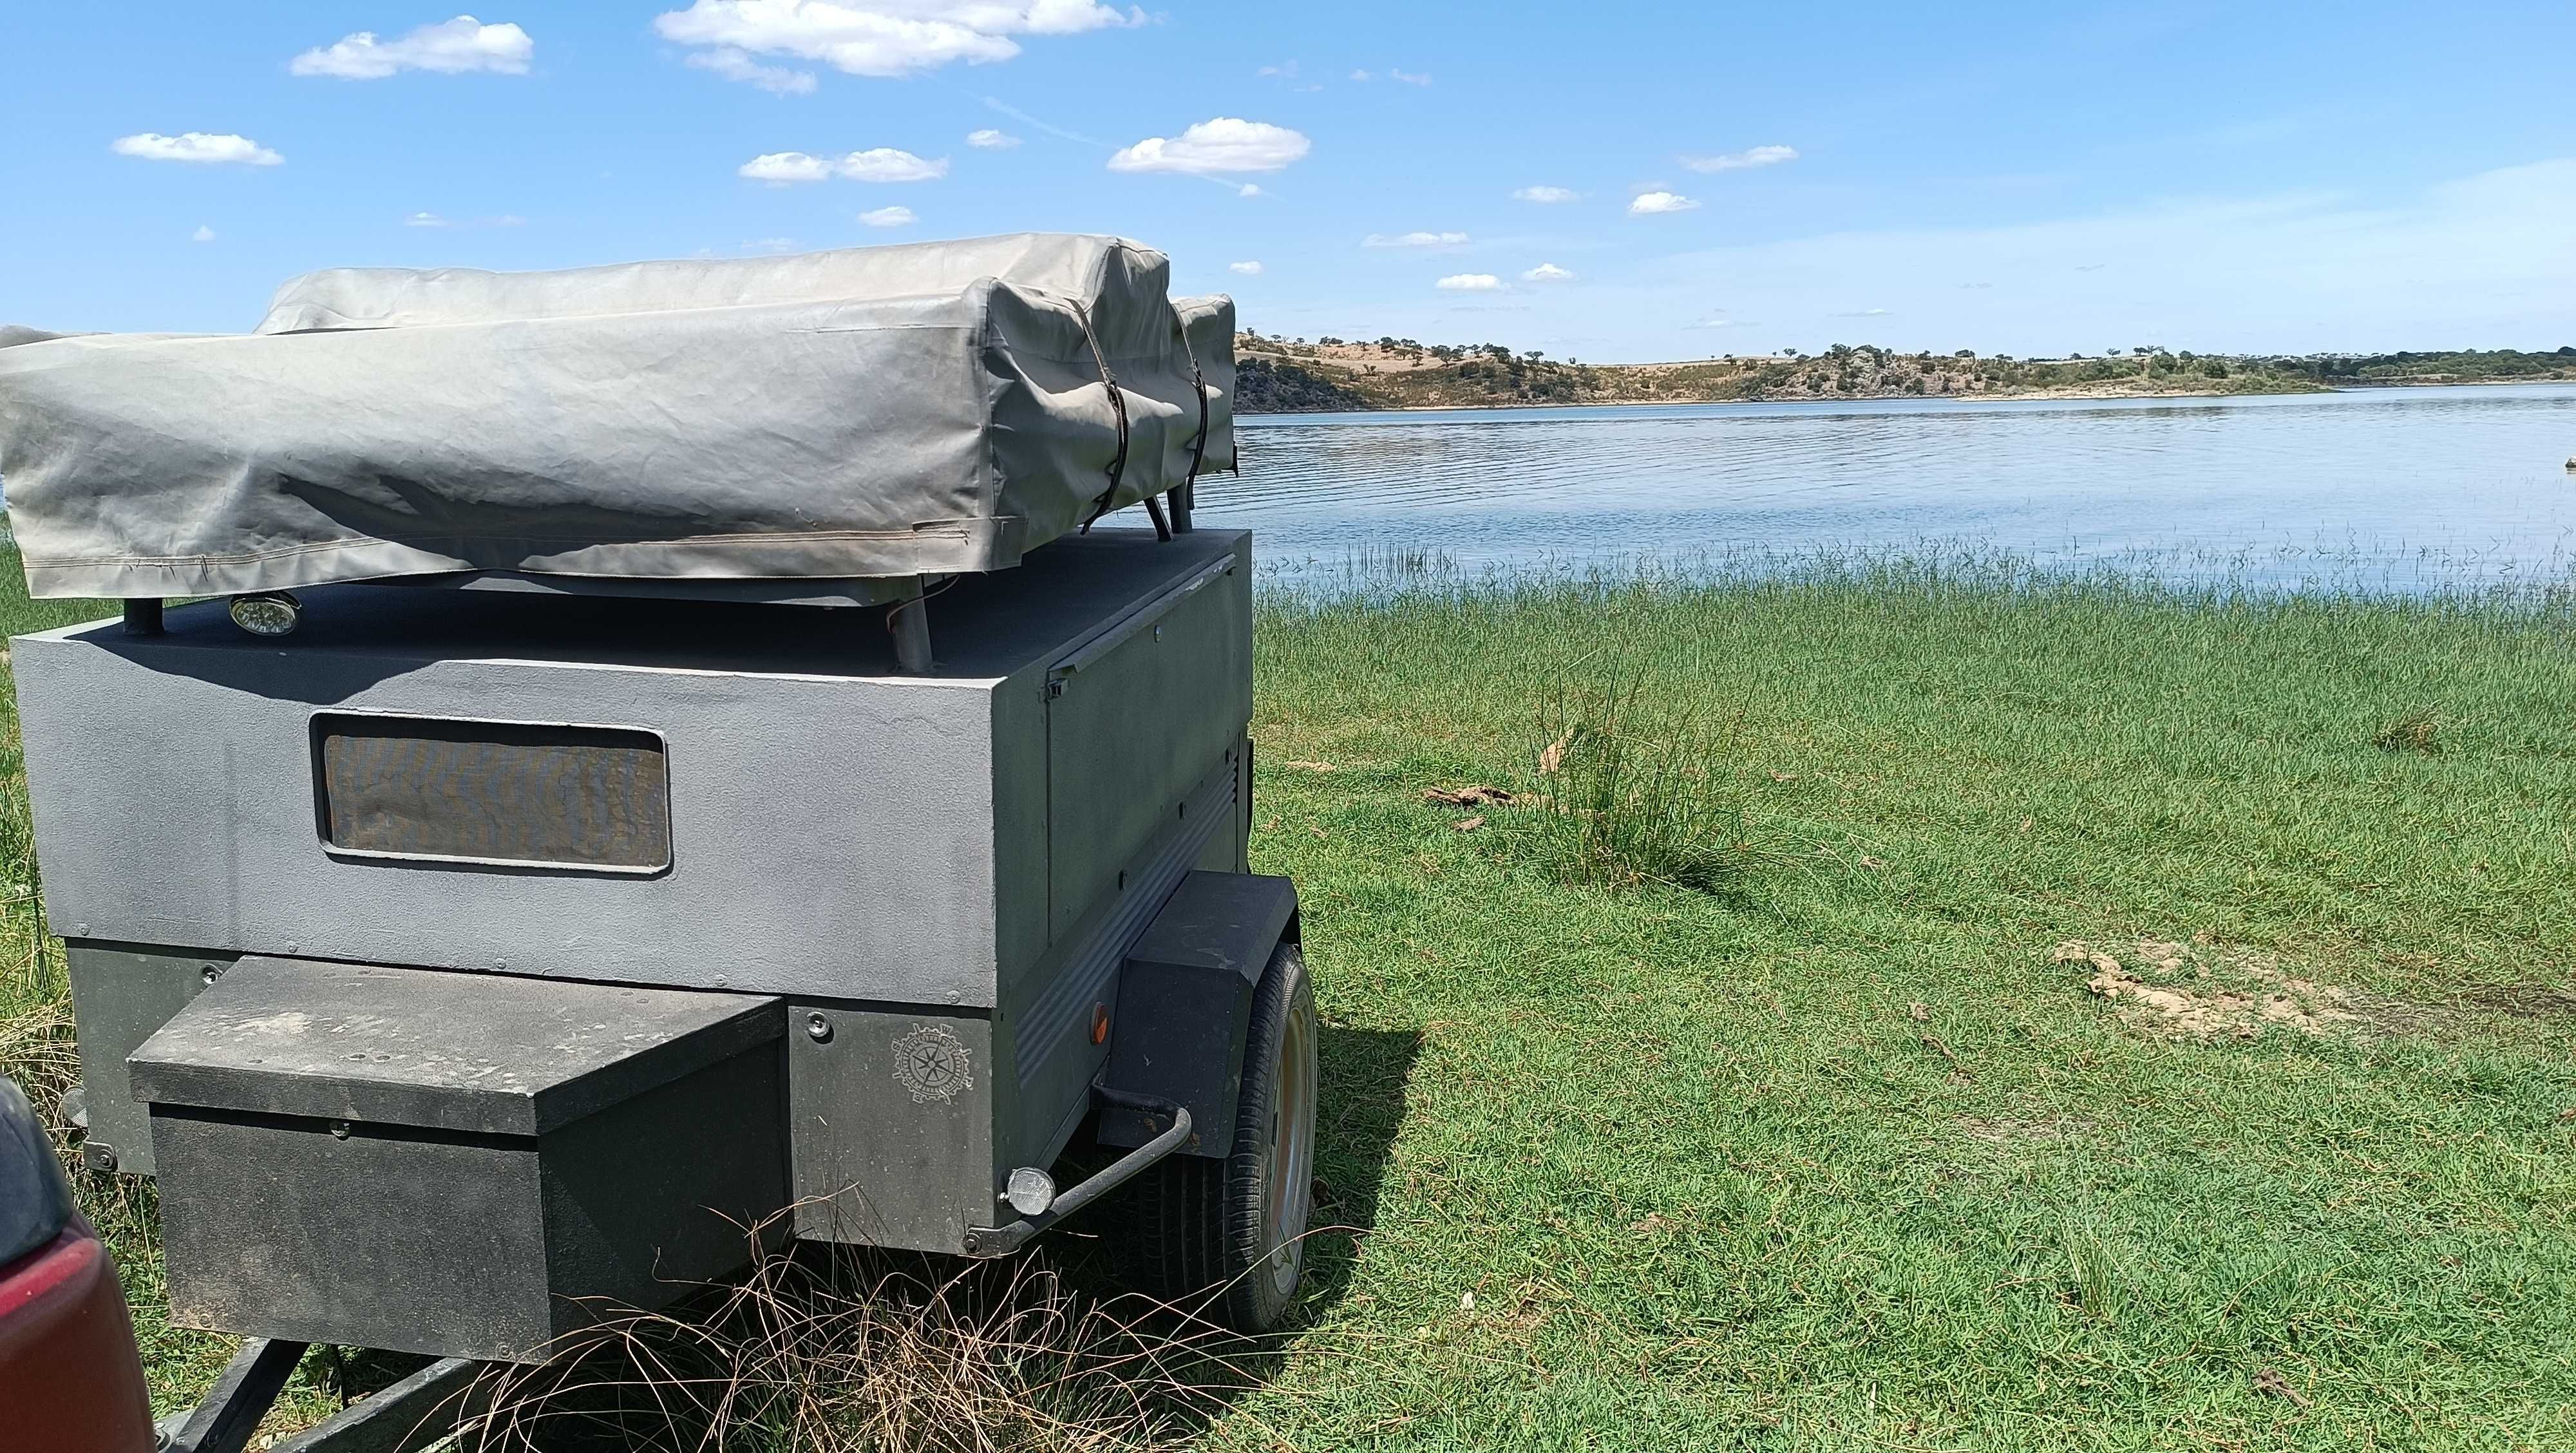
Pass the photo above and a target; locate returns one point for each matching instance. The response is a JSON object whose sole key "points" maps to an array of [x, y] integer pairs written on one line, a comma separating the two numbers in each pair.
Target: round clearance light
{"points": [[1032, 1190], [269, 613]]}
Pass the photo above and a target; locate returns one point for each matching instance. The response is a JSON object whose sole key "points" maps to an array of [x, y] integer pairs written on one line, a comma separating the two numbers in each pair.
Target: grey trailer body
{"points": [[922, 887]]}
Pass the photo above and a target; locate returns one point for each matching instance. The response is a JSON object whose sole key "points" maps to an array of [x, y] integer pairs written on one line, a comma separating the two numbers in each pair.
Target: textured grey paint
{"points": [[872, 1165], [462, 1245], [1052, 1053], [1181, 681], [487, 1054], [836, 833], [864, 844], [1185, 1003], [120, 995]]}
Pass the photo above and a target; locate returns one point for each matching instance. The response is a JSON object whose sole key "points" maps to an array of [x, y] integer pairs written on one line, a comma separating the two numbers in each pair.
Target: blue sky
{"points": [[2020, 178]]}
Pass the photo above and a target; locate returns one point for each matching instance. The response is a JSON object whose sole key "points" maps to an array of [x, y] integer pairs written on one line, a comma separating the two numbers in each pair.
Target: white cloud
{"points": [[1471, 282], [1249, 190], [1248, 269], [450, 47], [1736, 161], [1414, 239], [426, 219], [1547, 272], [736, 64], [770, 244], [202, 234], [207, 148], [1546, 194], [991, 140], [885, 164], [1285, 70], [889, 217], [1724, 323], [786, 166], [1410, 78], [1363, 76], [1225, 144], [1864, 313], [1650, 204], [884, 37], [878, 164]]}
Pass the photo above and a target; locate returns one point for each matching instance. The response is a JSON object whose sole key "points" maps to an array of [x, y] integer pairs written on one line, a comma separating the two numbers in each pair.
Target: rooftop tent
{"points": [[932, 408]]}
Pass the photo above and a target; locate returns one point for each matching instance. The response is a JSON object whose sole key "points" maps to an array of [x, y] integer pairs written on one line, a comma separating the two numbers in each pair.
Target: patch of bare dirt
{"points": [[2196, 990]]}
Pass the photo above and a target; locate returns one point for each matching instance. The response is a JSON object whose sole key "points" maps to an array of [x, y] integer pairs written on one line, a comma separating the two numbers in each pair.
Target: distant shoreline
{"points": [[1290, 376], [2023, 397]]}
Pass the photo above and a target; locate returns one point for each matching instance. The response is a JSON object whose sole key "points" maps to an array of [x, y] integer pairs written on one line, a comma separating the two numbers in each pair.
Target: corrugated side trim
{"points": [[1086, 974]]}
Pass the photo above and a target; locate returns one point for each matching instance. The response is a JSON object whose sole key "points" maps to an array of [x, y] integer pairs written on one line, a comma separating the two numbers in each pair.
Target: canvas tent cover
{"points": [[884, 411]]}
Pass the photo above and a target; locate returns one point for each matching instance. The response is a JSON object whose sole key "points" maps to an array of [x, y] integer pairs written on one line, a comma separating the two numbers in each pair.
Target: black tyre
{"points": [[1239, 1223]]}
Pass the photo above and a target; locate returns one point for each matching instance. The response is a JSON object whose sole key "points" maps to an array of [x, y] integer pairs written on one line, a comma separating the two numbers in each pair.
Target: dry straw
{"points": [[830, 1349]]}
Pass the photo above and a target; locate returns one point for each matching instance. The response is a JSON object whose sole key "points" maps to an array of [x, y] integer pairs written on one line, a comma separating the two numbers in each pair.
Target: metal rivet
{"points": [[339, 1129], [290, 948], [499, 964], [1158, 633], [80, 930], [818, 1028], [210, 972], [721, 981]]}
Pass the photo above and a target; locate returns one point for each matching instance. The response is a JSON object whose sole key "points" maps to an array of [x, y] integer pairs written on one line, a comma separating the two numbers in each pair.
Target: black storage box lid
{"points": [[475, 1053]]}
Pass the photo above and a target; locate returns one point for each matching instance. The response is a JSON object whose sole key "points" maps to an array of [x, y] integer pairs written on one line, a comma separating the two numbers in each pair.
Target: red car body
{"points": [[70, 1379]]}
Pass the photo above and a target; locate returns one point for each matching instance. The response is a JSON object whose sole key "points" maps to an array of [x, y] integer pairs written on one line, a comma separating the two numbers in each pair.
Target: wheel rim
{"points": [[1292, 1151]]}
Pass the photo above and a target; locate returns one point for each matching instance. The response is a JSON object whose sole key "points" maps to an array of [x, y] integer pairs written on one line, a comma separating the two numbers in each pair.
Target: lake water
{"points": [[2394, 489]]}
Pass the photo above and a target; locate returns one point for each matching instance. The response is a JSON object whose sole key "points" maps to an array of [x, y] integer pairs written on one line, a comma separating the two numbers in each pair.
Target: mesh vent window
{"points": [[493, 792]]}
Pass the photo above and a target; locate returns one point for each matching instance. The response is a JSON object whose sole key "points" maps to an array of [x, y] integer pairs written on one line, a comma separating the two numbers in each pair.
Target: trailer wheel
{"points": [[1239, 1223]]}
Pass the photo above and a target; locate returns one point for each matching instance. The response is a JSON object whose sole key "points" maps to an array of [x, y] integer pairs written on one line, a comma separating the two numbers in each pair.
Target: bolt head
{"points": [[818, 1029]]}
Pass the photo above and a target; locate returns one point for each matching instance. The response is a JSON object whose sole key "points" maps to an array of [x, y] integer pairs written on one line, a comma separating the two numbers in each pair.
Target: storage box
{"points": [[688, 795], [457, 1164]]}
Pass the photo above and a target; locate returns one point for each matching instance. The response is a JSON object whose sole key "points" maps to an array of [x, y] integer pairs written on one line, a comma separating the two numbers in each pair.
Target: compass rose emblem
{"points": [[933, 1064]]}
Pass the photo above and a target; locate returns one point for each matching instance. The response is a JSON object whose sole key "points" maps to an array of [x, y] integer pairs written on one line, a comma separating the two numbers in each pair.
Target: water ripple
{"points": [[2443, 486]]}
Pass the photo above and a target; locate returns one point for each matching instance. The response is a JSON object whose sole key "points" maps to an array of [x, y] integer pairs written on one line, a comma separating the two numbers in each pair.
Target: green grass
{"points": [[1713, 1178], [36, 1049], [1834, 1148]]}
